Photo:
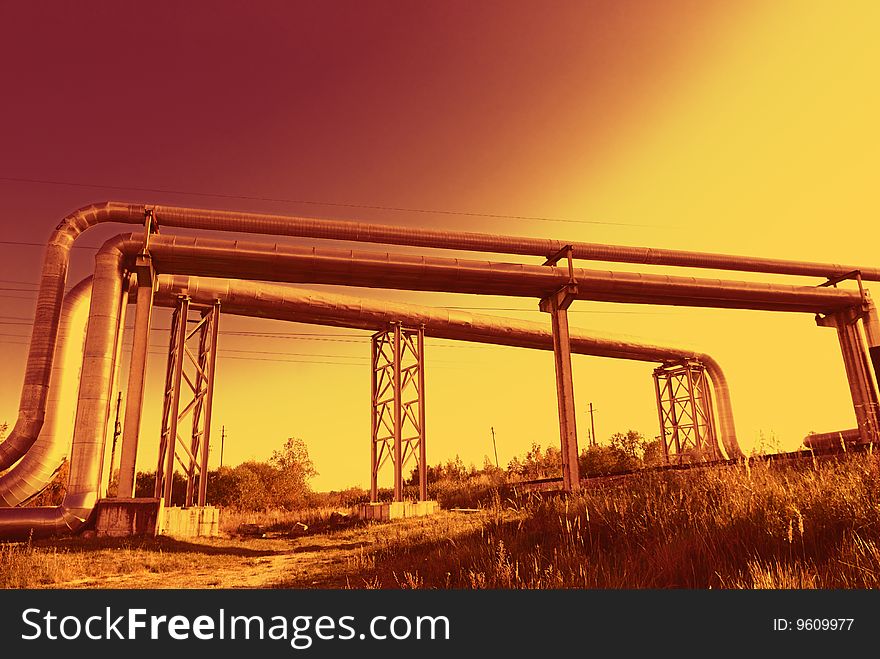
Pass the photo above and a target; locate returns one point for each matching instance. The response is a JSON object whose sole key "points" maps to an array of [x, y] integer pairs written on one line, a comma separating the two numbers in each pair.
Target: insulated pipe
{"points": [[39, 465], [290, 263], [87, 449], [296, 264], [305, 306], [839, 439], [55, 265], [498, 244]]}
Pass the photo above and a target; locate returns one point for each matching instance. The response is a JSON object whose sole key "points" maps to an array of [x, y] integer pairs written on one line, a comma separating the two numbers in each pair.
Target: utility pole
{"points": [[222, 442], [492, 428], [117, 431], [593, 441]]}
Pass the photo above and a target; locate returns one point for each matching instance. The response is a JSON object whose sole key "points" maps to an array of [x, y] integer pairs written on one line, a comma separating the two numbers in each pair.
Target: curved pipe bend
{"points": [[36, 469]]}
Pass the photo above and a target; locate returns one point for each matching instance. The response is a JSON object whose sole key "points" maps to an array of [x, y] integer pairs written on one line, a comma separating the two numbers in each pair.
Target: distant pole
{"points": [[494, 446], [117, 431], [222, 442], [593, 441]]}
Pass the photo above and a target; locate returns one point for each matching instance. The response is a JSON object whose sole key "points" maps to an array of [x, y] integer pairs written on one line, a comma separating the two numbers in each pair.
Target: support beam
{"points": [[862, 385], [687, 419], [211, 365], [422, 458], [398, 431], [871, 324], [189, 384], [397, 408], [137, 374], [110, 438], [172, 401], [557, 306]]}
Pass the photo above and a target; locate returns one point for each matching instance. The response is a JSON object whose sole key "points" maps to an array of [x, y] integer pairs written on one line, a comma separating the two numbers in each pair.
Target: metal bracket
{"points": [[151, 226], [831, 320], [855, 274], [143, 269], [839, 318], [561, 299], [565, 252]]}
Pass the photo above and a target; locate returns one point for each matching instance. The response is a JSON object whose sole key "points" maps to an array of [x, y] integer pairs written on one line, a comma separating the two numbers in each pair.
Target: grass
{"points": [[804, 525], [811, 525]]}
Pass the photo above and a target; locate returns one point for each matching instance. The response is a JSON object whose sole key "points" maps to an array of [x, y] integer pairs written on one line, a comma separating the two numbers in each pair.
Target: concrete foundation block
{"points": [[190, 522], [121, 518], [397, 510]]}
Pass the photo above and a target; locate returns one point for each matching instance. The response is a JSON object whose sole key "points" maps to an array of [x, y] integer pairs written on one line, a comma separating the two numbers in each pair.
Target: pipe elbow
{"points": [[82, 219]]}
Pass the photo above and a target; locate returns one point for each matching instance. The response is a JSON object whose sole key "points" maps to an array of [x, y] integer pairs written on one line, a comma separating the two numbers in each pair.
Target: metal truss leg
{"points": [[397, 407], [398, 435], [170, 418], [137, 374], [197, 372], [211, 367], [557, 306], [684, 406]]}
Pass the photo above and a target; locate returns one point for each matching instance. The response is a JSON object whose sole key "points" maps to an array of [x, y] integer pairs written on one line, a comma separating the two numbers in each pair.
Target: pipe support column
{"points": [[557, 306], [858, 372], [137, 375]]}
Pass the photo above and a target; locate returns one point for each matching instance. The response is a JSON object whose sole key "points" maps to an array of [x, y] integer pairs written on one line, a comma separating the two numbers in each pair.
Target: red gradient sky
{"points": [[718, 126]]}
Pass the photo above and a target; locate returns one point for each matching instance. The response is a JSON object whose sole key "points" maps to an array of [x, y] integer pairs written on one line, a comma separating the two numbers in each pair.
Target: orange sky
{"points": [[748, 129]]}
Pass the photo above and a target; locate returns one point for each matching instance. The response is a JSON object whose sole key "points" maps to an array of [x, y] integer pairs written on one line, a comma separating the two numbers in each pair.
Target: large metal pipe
{"points": [[39, 364], [297, 264], [93, 403], [38, 466], [279, 302], [313, 307], [499, 244], [250, 260]]}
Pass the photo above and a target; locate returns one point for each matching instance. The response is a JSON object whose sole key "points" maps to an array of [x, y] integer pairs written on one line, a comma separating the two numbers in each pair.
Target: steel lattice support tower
{"points": [[196, 371], [687, 420], [398, 407]]}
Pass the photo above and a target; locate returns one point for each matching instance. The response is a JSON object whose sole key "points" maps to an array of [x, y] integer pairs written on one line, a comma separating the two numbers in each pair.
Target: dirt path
{"points": [[308, 561]]}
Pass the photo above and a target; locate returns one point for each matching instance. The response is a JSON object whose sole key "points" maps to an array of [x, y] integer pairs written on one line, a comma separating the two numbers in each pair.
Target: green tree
{"points": [[631, 442], [295, 468], [653, 454], [604, 460]]}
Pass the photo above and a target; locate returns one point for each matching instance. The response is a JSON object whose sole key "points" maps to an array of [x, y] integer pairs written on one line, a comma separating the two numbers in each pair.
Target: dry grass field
{"points": [[804, 525]]}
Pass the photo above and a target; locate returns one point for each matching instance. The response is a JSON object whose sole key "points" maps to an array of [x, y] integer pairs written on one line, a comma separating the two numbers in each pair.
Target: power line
{"points": [[30, 244], [311, 202]]}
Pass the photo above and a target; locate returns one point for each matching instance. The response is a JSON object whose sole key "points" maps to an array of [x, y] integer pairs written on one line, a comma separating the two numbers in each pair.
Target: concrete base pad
{"points": [[191, 522], [397, 510], [119, 518]]}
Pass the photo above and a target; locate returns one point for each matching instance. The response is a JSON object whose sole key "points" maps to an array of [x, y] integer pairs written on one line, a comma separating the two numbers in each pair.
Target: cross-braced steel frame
{"points": [[687, 420], [398, 407], [197, 372]]}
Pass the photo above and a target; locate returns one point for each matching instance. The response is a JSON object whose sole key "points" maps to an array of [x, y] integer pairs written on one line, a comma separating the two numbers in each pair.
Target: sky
{"points": [[747, 128]]}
